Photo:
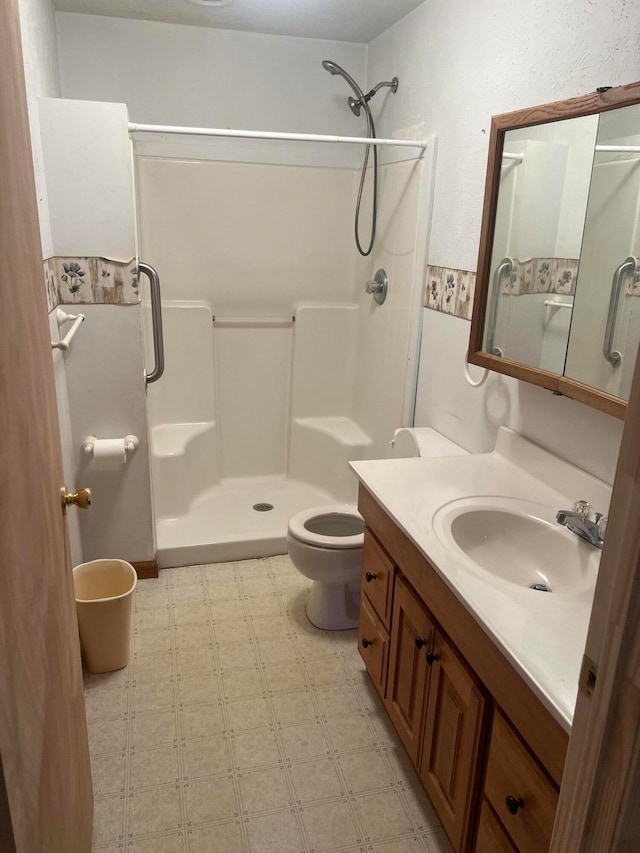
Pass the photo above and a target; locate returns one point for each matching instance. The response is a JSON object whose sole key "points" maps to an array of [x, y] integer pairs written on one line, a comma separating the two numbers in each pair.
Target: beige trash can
{"points": [[104, 593]]}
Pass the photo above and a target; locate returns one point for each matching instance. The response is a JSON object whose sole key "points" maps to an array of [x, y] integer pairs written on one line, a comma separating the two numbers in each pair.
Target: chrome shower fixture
{"points": [[357, 104], [361, 102]]}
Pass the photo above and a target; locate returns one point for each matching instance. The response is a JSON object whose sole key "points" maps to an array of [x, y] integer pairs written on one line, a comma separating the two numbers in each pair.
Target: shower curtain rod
{"points": [[262, 134]]}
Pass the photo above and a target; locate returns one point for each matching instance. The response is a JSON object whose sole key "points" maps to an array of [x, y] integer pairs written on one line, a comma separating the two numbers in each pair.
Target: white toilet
{"points": [[325, 543]]}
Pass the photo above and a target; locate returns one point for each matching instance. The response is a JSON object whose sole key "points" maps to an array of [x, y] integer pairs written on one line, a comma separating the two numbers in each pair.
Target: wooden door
{"points": [[45, 779], [412, 635], [450, 756]]}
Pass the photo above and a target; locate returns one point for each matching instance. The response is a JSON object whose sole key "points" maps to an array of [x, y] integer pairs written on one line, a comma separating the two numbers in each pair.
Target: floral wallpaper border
{"points": [[543, 275], [450, 291], [89, 280]]}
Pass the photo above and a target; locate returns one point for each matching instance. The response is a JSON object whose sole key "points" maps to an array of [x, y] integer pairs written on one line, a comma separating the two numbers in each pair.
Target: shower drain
{"points": [[540, 587], [263, 507]]}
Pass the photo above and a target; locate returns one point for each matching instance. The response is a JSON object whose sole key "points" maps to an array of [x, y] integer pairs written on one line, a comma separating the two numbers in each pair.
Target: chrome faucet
{"points": [[578, 520]]}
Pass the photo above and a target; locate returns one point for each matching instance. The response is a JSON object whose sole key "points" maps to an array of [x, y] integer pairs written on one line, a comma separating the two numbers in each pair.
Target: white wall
{"points": [[42, 79], [471, 416], [89, 172], [459, 64], [199, 76], [107, 399], [87, 158]]}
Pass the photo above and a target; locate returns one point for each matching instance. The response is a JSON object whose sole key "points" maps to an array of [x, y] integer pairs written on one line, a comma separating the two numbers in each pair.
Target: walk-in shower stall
{"points": [[279, 367]]}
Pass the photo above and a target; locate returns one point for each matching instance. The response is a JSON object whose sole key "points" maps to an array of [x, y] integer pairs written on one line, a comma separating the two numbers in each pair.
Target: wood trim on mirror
{"points": [[590, 104]]}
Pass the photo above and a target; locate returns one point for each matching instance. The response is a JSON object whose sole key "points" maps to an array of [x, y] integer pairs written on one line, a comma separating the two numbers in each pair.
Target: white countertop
{"points": [[542, 634]]}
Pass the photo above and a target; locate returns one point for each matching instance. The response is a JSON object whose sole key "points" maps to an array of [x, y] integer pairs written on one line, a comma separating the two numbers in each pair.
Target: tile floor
{"points": [[238, 726]]}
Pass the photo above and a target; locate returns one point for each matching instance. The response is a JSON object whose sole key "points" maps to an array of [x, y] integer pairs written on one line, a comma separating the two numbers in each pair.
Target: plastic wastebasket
{"points": [[104, 592]]}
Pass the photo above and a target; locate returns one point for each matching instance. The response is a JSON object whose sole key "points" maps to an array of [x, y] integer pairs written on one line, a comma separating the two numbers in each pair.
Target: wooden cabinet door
{"points": [[522, 796], [377, 577], [373, 645], [491, 837], [412, 636], [452, 738]]}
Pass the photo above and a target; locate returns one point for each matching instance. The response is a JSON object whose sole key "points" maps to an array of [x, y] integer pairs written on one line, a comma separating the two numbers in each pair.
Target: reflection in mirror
{"points": [[540, 215], [606, 320]]}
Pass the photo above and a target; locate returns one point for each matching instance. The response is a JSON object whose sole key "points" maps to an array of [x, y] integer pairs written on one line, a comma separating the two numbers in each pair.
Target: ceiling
{"points": [[338, 20]]}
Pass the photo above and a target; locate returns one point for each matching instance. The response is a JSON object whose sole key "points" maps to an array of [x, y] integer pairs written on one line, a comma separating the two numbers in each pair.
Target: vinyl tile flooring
{"points": [[238, 726]]}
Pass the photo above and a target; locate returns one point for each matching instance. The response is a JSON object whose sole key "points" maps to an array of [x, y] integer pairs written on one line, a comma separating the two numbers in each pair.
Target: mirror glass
{"points": [[540, 218], [605, 328]]}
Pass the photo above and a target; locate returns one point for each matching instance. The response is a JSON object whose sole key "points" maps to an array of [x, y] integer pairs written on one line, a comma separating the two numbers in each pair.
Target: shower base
{"points": [[221, 524]]}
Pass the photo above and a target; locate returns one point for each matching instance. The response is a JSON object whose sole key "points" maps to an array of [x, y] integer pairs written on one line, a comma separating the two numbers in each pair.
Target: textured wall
{"points": [[172, 74], [459, 63]]}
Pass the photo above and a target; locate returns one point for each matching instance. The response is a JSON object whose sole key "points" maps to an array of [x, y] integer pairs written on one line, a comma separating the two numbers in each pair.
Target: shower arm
{"points": [[364, 100]]}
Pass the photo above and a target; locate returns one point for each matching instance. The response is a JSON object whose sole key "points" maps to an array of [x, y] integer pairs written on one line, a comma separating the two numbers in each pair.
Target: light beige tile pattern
{"points": [[239, 727]]}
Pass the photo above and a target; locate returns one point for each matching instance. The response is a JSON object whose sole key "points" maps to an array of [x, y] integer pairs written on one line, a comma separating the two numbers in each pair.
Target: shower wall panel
{"points": [[384, 349], [252, 377], [248, 238]]}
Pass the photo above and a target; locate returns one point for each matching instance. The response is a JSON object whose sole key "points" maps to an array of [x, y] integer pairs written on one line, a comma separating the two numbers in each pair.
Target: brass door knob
{"points": [[81, 498]]}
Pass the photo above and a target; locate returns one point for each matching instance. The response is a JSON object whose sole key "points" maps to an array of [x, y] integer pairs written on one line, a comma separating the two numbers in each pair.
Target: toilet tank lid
{"points": [[422, 441]]}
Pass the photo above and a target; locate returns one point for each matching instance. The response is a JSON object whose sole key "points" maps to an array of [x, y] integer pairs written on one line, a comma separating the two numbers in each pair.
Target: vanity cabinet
{"points": [[491, 837], [452, 741], [412, 637], [488, 753], [521, 795]]}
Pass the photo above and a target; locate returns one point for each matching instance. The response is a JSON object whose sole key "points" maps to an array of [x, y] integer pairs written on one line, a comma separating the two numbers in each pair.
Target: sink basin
{"points": [[519, 542]]}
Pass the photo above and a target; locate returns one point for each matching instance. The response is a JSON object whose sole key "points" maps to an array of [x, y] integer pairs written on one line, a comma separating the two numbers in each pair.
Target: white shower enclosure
{"points": [[279, 368]]}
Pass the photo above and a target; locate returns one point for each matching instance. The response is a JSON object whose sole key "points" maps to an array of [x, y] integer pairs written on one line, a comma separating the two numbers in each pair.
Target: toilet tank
{"points": [[422, 441]]}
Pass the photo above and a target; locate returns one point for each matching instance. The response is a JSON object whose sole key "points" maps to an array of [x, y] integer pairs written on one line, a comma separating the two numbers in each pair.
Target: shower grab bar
{"points": [[630, 265], [156, 323], [254, 321], [505, 265], [267, 134]]}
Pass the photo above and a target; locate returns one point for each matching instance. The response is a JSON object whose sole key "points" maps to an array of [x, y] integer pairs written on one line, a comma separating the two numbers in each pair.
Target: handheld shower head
{"points": [[334, 68]]}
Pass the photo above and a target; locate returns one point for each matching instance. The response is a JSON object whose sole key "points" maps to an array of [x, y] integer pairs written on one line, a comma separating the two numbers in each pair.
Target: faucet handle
{"points": [[601, 521], [583, 509]]}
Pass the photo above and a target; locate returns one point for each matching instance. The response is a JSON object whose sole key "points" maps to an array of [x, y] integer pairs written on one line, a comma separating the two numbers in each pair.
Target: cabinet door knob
{"points": [[514, 804], [370, 577], [420, 643], [366, 643], [431, 658]]}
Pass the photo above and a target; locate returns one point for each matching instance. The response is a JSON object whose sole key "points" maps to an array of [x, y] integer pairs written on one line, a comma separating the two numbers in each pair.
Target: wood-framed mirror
{"points": [[558, 279]]}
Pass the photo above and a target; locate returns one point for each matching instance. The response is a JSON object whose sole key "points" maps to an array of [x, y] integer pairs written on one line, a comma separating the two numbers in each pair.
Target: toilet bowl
{"points": [[325, 545]]}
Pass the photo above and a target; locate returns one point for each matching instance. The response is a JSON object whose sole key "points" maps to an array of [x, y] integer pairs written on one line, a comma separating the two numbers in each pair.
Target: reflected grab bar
{"points": [[505, 265], [156, 323], [629, 265]]}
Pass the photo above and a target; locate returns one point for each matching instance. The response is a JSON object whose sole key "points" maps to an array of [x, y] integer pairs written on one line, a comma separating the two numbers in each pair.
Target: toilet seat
{"points": [[336, 527]]}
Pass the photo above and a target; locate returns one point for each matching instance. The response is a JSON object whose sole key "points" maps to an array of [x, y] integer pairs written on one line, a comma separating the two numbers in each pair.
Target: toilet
{"points": [[325, 543]]}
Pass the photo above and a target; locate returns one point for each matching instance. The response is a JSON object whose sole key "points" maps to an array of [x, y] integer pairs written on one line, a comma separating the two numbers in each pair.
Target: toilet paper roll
{"points": [[109, 452]]}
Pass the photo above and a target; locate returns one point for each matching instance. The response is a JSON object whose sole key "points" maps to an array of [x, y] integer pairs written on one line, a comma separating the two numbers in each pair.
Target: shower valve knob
{"points": [[378, 286]]}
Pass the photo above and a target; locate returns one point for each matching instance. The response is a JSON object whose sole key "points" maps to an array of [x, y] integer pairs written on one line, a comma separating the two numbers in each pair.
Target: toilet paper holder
{"points": [[131, 442]]}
